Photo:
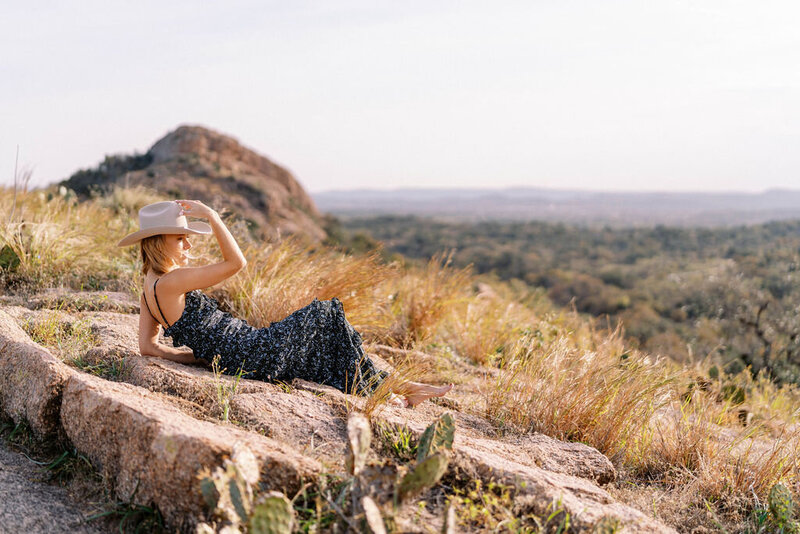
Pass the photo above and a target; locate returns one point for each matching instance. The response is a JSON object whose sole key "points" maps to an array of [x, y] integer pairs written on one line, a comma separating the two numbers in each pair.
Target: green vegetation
{"points": [[69, 338], [229, 495], [398, 441], [132, 518], [110, 370], [486, 506], [85, 182], [225, 388], [433, 457], [730, 294]]}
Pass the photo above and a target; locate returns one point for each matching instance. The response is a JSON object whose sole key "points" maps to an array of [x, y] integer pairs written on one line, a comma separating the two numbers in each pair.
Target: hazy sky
{"points": [[598, 94]]}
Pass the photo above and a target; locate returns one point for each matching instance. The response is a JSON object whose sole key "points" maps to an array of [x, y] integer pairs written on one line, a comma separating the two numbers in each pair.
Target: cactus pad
{"points": [[439, 435], [239, 499], [210, 493], [425, 475], [781, 505], [373, 515], [358, 438], [246, 463], [272, 515]]}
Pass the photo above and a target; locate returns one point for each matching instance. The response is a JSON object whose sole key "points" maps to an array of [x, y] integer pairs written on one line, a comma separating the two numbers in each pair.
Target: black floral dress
{"points": [[315, 343]]}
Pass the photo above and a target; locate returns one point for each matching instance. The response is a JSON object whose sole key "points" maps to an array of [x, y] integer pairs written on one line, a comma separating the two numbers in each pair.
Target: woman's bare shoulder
{"points": [[182, 280]]}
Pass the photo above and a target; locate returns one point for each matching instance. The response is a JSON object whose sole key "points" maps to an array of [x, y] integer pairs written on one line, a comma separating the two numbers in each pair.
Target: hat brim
{"points": [[194, 227]]}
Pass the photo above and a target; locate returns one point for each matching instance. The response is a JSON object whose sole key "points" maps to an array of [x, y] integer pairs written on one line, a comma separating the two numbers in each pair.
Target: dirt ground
{"points": [[31, 505]]}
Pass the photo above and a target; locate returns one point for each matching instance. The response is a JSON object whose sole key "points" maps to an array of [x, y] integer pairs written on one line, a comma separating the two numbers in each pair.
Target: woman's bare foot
{"points": [[414, 392]]}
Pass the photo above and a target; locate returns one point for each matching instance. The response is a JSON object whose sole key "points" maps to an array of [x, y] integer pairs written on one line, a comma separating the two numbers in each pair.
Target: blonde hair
{"points": [[154, 255]]}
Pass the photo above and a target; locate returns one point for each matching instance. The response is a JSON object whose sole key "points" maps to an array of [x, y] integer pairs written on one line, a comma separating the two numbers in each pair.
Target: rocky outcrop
{"points": [[153, 428], [148, 450], [154, 452], [31, 380], [199, 163], [544, 470]]}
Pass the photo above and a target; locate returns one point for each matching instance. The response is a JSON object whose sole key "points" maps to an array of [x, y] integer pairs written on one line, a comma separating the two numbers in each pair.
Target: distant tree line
{"points": [[729, 293]]}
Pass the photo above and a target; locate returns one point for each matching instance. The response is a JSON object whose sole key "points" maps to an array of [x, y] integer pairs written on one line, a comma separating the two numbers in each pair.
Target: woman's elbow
{"points": [[147, 349], [238, 265]]}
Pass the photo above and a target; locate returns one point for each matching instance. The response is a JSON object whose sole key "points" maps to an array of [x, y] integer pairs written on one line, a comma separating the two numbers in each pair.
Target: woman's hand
{"points": [[195, 208]]}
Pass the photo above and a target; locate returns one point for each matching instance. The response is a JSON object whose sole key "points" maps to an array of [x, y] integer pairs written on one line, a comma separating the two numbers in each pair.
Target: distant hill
{"points": [[195, 162], [581, 207]]}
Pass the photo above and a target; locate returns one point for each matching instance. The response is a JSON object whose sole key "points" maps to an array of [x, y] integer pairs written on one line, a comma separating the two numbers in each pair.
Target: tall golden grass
{"points": [[419, 301], [601, 397], [281, 278], [58, 241], [552, 371]]}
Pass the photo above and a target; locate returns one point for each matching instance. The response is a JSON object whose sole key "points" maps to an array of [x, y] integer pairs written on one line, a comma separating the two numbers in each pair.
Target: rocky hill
{"points": [[195, 162]]}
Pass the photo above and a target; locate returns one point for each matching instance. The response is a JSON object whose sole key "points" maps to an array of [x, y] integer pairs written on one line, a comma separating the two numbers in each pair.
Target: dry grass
{"points": [[420, 300], [482, 328], [599, 397], [282, 278], [699, 440], [52, 240]]}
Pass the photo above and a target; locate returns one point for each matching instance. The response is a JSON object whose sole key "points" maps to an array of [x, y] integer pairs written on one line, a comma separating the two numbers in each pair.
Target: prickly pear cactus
{"points": [[210, 492], [246, 463], [425, 475], [227, 490], [358, 438], [781, 505], [238, 496], [439, 435], [272, 515], [449, 524], [373, 516]]}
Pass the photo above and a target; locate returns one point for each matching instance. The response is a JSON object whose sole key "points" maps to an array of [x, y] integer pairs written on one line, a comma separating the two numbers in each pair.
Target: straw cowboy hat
{"points": [[163, 218]]}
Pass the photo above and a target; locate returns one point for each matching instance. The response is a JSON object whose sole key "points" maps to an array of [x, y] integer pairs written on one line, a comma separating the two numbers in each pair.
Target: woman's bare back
{"points": [[170, 303]]}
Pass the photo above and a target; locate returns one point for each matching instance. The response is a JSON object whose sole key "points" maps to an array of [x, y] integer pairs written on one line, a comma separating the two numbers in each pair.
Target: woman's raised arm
{"points": [[230, 248], [189, 278]]}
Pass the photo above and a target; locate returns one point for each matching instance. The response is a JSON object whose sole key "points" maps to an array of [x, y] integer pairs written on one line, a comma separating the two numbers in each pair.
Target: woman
{"points": [[315, 343]]}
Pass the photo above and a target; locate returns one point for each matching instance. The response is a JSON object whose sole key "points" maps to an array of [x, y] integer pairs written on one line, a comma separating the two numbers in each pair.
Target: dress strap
{"points": [[157, 304], [144, 296]]}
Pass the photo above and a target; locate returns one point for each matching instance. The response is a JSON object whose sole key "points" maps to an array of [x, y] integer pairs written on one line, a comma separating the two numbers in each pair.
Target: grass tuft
{"points": [[68, 338]]}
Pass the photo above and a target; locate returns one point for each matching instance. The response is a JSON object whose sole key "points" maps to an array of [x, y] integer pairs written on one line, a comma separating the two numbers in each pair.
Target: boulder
{"points": [[299, 417], [31, 380], [543, 492], [152, 453], [317, 428]]}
